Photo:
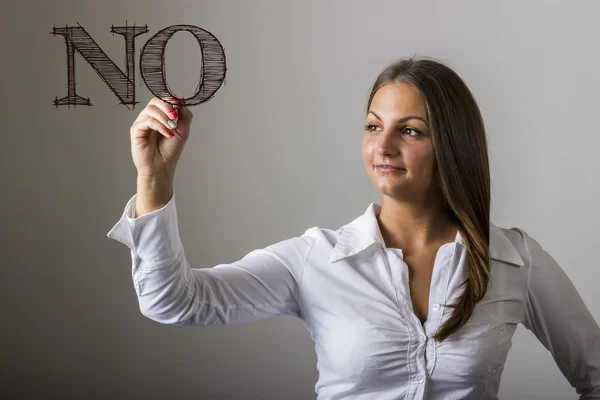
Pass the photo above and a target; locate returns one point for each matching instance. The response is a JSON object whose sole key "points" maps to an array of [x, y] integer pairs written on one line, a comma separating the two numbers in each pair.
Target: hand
{"points": [[155, 152]]}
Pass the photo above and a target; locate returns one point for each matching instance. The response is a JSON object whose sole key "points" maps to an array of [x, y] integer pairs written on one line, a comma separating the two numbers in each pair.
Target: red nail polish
{"points": [[176, 105], [173, 114], [171, 133]]}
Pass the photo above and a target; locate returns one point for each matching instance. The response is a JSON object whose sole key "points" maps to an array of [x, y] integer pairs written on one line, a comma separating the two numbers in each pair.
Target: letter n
{"points": [[121, 84]]}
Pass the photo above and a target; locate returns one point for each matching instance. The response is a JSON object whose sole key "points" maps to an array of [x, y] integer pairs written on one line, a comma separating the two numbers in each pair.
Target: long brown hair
{"points": [[460, 147]]}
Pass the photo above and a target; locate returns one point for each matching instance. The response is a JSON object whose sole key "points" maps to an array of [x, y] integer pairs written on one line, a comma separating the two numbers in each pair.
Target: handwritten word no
{"points": [[152, 58]]}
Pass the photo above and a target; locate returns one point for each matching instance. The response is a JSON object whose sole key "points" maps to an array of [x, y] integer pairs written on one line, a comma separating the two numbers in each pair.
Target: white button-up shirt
{"points": [[352, 294]]}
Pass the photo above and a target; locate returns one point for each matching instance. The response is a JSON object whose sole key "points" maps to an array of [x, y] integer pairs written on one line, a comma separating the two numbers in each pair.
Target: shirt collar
{"points": [[364, 231]]}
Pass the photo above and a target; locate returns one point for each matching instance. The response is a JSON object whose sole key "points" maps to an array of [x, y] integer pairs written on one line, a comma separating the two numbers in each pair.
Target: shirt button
{"points": [[423, 338], [436, 307], [420, 379]]}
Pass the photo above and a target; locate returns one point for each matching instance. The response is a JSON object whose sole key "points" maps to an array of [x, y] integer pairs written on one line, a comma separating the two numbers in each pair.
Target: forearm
{"points": [[152, 194]]}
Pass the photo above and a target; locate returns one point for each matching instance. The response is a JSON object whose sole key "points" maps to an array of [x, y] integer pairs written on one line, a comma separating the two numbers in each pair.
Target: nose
{"points": [[386, 145]]}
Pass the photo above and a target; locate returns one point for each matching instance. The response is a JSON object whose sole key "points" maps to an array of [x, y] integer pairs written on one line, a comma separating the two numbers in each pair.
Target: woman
{"points": [[417, 298]]}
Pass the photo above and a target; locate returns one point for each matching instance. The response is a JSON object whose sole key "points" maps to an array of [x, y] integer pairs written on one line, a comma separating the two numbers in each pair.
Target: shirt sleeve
{"points": [[264, 283], [559, 318]]}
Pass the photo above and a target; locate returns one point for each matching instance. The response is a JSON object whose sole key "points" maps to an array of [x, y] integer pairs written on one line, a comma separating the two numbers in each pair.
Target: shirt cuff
{"points": [[153, 238]]}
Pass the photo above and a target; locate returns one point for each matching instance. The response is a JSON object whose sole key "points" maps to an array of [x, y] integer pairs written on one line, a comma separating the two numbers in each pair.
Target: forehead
{"points": [[398, 99]]}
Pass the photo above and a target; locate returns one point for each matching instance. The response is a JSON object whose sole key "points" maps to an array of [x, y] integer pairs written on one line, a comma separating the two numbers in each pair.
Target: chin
{"points": [[389, 191]]}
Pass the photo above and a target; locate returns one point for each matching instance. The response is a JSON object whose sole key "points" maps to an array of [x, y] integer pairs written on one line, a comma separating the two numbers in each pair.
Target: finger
{"points": [[159, 114], [175, 98], [179, 106], [177, 101], [142, 115], [173, 101], [164, 107], [185, 114], [167, 108], [151, 123], [180, 102]]}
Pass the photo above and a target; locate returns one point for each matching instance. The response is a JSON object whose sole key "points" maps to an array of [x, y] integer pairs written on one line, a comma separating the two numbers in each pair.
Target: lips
{"points": [[387, 166]]}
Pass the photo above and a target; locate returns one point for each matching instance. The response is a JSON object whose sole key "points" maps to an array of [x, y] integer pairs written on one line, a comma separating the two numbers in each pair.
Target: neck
{"points": [[415, 227]]}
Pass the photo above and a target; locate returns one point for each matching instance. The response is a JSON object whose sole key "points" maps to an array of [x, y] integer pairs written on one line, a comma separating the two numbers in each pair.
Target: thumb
{"points": [[185, 114]]}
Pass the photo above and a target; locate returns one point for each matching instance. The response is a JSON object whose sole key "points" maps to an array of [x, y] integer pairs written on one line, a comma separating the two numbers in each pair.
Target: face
{"points": [[397, 133]]}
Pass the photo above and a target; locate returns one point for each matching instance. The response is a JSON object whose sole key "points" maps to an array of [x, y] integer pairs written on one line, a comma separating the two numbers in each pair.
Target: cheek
{"points": [[421, 159], [365, 149]]}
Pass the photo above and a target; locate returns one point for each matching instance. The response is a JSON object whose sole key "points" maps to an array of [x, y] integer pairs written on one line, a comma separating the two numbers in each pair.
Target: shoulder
{"points": [[529, 248], [301, 245], [327, 235], [513, 239]]}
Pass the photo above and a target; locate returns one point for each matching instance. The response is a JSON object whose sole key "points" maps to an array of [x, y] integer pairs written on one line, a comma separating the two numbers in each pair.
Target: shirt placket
{"points": [[416, 353], [437, 297]]}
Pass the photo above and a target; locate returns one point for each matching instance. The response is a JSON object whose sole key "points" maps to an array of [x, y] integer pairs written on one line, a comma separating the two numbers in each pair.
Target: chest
{"points": [[420, 271], [358, 311]]}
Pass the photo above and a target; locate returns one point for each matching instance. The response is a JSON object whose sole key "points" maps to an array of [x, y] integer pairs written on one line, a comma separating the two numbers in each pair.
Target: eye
{"points": [[369, 126], [414, 130]]}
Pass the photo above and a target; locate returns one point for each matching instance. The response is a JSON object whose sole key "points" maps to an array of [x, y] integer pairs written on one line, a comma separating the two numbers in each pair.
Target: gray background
{"points": [[275, 152]]}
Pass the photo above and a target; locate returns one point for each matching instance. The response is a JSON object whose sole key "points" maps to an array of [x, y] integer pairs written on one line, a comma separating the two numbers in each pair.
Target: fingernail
{"points": [[179, 101], [170, 133], [173, 114], [175, 106], [172, 124]]}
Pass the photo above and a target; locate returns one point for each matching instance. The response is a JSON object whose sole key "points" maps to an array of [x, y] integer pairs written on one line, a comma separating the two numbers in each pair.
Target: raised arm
{"points": [[559, 318], [264, 283]]}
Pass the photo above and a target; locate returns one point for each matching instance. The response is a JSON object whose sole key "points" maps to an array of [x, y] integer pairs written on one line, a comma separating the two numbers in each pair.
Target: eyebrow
{"points": [[403, 119]]}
